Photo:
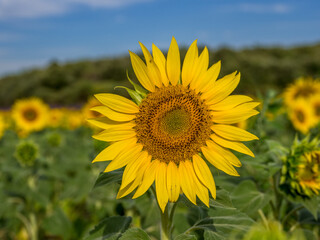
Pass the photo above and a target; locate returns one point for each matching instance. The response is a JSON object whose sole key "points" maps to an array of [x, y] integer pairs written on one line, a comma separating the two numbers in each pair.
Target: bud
{"points": [[301, 169], [26, 153]]}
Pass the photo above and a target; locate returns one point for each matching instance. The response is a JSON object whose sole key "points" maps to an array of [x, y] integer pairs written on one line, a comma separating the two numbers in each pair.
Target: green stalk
{"points": [[166, 220], [165, 225]]}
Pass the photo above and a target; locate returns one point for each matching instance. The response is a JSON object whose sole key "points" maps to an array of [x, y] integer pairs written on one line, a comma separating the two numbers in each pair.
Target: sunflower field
{"points": [[176, 153]]}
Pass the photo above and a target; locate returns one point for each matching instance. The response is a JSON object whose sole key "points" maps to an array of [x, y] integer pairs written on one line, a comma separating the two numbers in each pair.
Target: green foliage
{"points": [[72, 83], [110, 228], [135, 233]]}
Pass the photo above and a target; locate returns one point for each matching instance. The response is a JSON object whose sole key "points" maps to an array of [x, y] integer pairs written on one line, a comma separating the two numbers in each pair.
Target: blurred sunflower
{"points": [[315, 105], [30, 114], [185, 116], [301, 169], [56, 117], [302, 88], [86, 109], [74, 118], [2, 126], [301, 116]]}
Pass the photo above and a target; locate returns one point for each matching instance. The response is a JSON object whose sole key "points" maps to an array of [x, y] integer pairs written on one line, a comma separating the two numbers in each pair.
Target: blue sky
{"points": [[34, 32]]}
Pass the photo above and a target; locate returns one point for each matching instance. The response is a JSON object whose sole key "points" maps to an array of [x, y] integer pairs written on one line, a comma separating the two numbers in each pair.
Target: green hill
{"points": [[72, 83]]}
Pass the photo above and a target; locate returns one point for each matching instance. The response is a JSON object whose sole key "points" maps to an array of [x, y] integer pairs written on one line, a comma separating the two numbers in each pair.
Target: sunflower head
{"points": [[2, 126], [86, 109], [301, 169], [74, 118], [30, 114], [302, 88], [301, 116], [182, 120], [56, 118], [315, 105]]}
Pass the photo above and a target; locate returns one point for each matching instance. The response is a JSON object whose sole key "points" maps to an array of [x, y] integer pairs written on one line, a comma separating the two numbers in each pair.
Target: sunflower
{"points": [[183, 121], [86, 109], [56, 117], [74, 118], [302, 88], [300, 174], [308, 173], [315, 105], [30, 114], [301, 116], [2, 126]]}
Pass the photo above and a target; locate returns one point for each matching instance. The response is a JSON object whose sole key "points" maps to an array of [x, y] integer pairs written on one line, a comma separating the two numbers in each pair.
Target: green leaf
{"points": [[107, 178], [277, 148], [136, 234], [210, 235], [248, 199], [223, 219], [133, 94], [58, 224], [185, 237], [311, 205], [110, 228], [303, 234]]}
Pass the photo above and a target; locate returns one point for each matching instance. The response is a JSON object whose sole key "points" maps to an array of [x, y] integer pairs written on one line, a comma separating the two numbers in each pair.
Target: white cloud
{"points": [[30, 8], [10, 9], [265, 8]]}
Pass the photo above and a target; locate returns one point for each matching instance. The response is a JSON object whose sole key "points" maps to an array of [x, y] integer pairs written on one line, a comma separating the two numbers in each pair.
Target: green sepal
{"points": [[137, 87], [133, 94]]}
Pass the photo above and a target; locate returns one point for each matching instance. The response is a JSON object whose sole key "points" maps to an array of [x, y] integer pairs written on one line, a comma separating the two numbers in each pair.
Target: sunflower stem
{"points": [[165, 225]]}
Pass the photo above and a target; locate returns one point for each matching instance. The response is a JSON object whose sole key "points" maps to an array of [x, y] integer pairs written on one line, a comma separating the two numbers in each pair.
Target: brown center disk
{"points": [[173, 123], [30, 114]]}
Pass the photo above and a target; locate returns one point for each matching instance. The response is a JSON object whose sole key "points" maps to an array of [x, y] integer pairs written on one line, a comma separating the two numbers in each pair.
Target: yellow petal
{"points": [[206, 80], [148, 178], [113, 115], [230, 102], [130, 172], [237, 146], [160, 60], [189, 64], [233, 133], [152, 69], [173, 182], [204, 174], [117, 103], [161, 185], [234, 115], [140, 69], [173, 62], [133, 185], [217, 160], [201, 65], [114, 149], [222, 88], [106, 123], [124, 158], [187, 184], [227, 154], [103, 122], [201, 190], [110, 135]]}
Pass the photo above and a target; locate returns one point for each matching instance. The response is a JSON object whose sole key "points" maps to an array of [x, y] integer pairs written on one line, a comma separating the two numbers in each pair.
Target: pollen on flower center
{"points": [[173, 123]]}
